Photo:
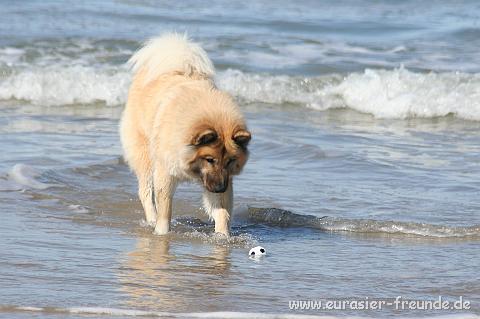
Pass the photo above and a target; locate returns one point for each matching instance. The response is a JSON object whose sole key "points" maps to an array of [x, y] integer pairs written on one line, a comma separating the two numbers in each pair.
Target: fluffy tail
{"points": [[171, 52]]}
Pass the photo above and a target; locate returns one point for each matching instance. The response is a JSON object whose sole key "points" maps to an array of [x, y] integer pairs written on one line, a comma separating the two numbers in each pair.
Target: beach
{"points": [[362, 183]]}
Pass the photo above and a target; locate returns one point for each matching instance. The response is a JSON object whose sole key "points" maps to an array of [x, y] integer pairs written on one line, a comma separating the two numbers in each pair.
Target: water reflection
{"points": [[155, 277]]}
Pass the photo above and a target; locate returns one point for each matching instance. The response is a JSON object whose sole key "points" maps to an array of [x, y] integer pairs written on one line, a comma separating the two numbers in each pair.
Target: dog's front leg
{"points": [[219, 207], [164, 186]]}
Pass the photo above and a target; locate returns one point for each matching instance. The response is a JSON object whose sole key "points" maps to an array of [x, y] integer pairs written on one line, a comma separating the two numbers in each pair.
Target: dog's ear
{"points": [[205, 137], [242, 137]]}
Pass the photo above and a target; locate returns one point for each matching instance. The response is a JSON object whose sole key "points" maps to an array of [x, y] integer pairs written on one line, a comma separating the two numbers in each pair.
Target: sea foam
{"points": [[404, 94], [66, 85], [395, 94], [117, 312]]}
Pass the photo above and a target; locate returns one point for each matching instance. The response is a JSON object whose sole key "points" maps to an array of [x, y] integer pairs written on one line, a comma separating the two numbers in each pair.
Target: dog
{"points": [[178, 126]]}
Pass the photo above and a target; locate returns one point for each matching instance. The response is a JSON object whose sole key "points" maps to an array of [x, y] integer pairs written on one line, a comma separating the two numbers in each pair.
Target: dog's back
{"points": [[160, 66]]}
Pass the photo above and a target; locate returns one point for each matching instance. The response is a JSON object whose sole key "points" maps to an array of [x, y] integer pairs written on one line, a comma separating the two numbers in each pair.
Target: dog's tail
{"points": [[168, 53]]}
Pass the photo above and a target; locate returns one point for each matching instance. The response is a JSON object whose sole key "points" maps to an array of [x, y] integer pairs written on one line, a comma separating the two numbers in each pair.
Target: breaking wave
{"points": [[282, 218], [65, 85], [396, 94]]}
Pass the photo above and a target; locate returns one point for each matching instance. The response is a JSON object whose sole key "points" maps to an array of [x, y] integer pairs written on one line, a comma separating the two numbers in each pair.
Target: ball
{"points": [[257, 252]]}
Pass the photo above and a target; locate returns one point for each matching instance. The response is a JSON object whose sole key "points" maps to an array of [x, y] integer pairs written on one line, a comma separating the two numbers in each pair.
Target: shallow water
{"points": [[366, 138]]}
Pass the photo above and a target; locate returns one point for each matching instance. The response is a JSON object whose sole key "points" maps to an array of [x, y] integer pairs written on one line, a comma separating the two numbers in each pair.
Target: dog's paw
{"points": [[151, 223], [161, 229]]}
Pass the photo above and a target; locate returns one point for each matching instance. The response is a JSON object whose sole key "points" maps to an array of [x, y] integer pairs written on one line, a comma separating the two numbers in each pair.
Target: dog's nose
{"points": [[220, 188]]}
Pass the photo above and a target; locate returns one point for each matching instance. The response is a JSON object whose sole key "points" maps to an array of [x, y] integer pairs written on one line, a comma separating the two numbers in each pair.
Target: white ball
{"points": [[257, 252]]}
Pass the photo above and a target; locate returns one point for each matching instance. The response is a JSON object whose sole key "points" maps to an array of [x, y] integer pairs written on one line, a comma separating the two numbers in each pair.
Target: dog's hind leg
{"points": [[147, 197], [135, 147], [219, 207], [164, 186], [142, 165]]}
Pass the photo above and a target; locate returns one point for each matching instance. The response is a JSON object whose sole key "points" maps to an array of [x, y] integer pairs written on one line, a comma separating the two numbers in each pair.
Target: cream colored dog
{"points": [[177, 126]]}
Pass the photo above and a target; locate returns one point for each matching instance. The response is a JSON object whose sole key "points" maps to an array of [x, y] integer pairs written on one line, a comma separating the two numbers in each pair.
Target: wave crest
{"points": [[64, 86], [404, 94], [395, 94], [282, 218]]}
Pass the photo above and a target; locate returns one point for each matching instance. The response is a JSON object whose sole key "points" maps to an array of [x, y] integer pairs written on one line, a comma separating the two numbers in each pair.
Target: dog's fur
{"points": [[177, 126]]}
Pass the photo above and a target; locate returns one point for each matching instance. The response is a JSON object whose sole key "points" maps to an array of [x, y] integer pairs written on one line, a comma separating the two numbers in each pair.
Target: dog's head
{"points": [[218, 154]]}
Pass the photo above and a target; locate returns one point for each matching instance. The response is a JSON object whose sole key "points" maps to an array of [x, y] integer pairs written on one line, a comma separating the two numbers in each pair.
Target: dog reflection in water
{"points": [[157, 280]]}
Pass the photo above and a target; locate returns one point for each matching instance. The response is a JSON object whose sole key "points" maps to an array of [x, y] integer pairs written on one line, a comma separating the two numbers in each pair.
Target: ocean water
{"points": [[363, 181]]}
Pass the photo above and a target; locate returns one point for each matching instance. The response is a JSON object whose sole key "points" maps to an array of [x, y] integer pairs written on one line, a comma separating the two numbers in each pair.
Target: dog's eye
{"points": [[211, 160]]}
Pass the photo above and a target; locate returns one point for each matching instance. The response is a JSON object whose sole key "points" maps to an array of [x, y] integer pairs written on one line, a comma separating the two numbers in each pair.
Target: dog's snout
{"points": [[216, 184], [220, 188]]}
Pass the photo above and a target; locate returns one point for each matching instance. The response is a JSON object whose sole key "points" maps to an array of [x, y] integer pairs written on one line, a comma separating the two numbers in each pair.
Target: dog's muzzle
{"points": [[214, 185]]}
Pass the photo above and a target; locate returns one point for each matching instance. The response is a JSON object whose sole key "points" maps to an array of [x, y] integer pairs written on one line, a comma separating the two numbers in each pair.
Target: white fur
{"points": [[218, 207], [171, 52]]}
